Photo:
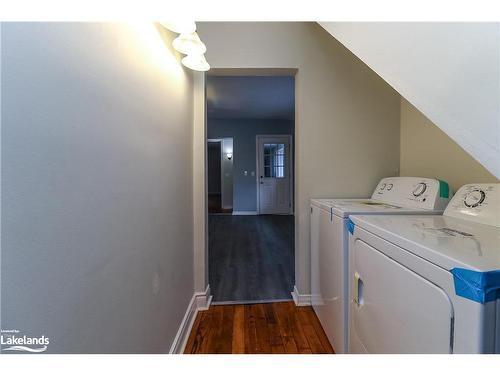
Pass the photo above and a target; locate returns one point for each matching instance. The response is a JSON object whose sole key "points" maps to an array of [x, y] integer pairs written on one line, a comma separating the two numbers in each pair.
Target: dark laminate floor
{"points": [[251, 258], [260, 328]]}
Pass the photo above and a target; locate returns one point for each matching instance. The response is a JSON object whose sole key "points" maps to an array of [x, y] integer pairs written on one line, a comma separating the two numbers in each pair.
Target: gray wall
{"points": [[243, 132], [97, 186]]}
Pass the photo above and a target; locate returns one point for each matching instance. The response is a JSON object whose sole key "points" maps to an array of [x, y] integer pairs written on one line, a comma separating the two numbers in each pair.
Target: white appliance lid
{"points": [[394, 194], [445, 241], [346, 207]]}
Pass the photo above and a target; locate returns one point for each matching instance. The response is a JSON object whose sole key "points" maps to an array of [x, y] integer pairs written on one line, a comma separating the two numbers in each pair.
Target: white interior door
{"points": [[274, 174]]}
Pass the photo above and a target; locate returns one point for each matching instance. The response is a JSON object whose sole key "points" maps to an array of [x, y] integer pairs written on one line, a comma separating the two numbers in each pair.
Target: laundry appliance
{"points": [[329, 242], [428, 284]]}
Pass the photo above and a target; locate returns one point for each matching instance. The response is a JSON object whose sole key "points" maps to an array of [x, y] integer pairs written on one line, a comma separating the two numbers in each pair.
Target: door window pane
{"points": [[274, 160], [267, 171]]}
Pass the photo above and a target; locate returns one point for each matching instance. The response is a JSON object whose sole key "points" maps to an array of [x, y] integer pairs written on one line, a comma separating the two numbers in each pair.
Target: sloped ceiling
{"points": [[449, 71]]}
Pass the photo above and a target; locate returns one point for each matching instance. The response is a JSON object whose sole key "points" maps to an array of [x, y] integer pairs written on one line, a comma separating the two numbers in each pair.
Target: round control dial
{"points": [[382, 187], [389, 187], [474, 198], [420, 189]]}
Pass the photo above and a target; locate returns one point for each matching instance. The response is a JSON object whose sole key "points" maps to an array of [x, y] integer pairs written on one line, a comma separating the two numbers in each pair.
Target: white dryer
{"points": [[428, 284], [329, 242]]}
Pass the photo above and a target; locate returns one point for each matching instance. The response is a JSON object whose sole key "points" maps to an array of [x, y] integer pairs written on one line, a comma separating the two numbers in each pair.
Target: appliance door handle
{"points": [[358, 289]]}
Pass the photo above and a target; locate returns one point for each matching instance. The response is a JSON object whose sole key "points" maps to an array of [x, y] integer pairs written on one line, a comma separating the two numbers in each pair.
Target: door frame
{"points": [[291, 164], [200, 219]]}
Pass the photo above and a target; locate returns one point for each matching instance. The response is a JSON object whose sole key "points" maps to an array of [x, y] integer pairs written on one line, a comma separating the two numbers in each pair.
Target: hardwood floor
{"points": [[265, 328], [251, 258]]}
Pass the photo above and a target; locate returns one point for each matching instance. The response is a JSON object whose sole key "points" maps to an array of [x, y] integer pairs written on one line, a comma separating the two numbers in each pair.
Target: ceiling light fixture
{"points": [[196, 62], [180, 27], [189, 44]]}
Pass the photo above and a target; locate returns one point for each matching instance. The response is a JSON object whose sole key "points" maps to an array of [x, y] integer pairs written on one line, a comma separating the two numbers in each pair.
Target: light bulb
{"points": [[196, 62], [189, 44], [180, 27]]}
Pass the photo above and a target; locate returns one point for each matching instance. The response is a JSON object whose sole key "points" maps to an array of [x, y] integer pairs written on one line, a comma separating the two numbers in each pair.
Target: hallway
{"points": [[251, 258], [265, 328]]}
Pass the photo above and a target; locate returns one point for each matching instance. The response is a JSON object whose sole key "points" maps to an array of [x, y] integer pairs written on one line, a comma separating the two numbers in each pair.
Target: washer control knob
{"points": [[474, 198], [420, 189], [382, 187], [390, 186]]}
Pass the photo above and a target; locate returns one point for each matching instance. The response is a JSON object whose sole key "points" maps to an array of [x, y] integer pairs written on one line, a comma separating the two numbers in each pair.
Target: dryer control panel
{"points": [[479, 203], [413, 192]]}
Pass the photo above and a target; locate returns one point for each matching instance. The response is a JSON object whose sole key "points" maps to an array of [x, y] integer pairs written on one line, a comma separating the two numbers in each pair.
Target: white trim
{"points": [[291, 182], [244, 212], [203, 299], [300, 299], [199, 211], [200, 301], [251, 302]]}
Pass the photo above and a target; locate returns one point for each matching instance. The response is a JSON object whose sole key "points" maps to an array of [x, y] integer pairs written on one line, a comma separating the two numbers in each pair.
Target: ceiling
{"points": [[251, 97]]}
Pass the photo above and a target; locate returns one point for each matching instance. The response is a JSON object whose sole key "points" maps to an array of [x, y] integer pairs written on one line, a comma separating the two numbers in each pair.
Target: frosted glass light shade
{"points": [[189, 44], [196, 62], [180, 27]]}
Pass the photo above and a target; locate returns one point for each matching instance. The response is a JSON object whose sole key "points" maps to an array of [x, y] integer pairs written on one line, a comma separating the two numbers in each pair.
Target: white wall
{"points": [[427, 151], [97, 186], [347, 118], [449, 71]]}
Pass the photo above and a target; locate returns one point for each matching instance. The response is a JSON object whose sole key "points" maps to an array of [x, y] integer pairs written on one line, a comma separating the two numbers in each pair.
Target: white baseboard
{"points": [[251, 302], [203, 299], [199, 302], [300, 299], [244, 212]]}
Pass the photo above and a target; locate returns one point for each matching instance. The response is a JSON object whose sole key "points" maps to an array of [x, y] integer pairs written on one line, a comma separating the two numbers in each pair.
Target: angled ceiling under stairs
{"points": [[449, 71]]}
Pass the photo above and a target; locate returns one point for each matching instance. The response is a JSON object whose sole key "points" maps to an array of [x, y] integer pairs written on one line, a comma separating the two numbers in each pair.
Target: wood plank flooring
{"points": [[263, 328], [251, 258]]}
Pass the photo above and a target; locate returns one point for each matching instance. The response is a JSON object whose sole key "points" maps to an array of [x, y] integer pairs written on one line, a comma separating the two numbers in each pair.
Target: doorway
{"points": [[214, 176], [220, 176], [251, 255]]}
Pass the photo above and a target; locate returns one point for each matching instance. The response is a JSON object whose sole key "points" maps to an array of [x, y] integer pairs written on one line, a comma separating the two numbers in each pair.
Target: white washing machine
{"points": [[329, 242], [428, 284]]}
